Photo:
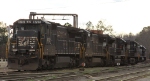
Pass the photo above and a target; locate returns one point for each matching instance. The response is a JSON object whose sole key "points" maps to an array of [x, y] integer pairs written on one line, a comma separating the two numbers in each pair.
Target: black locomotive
{"points": [[40, 44], [136, 52]]}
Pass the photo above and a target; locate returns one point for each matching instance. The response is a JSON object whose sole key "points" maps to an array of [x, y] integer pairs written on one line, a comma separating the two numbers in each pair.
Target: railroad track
{"points": [[127, 76], [50, 76], [25, 76], [73, 76]]}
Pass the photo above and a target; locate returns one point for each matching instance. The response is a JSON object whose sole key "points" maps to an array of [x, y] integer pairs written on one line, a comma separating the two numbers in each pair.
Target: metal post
{"points": [[74, 21]]}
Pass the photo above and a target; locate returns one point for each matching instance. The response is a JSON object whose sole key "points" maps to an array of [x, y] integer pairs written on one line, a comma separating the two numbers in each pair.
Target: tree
{"points": [[2, 24], [144, 39], [67, 24], [3, 32], [89, 25], [121, 35], [3, 36], [105, 28], [3, 39]]}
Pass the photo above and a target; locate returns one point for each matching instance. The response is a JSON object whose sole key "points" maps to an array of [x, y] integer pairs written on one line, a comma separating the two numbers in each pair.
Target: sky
{"points": [[125, 16]]}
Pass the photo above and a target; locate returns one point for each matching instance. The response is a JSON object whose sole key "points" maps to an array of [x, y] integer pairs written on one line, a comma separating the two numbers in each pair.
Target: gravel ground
{"points": [[88, 77], [103, 75], [145, 79], [98, 73], [5, 69]]}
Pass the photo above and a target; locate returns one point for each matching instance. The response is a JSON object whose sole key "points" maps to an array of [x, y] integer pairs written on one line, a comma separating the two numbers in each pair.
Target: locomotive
{"points": [[136, 52], [99, 50], [41, 44], [120, 51]]}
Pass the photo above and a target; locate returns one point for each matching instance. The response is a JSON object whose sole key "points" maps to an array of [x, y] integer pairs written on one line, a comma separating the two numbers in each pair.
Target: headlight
{"points": [[32, 46], [13, 46]]}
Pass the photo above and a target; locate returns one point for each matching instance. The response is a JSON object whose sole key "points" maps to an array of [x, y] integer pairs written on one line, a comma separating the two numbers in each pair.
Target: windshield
{"points": [[34, 27]]}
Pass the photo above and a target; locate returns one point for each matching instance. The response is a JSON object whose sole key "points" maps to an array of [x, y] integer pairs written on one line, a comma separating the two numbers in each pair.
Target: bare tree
{"points": [[3, 39], [3, 33], [144, 39], [89, 25], [67, 24], [121, 35], [105, 28], [2, 24]]}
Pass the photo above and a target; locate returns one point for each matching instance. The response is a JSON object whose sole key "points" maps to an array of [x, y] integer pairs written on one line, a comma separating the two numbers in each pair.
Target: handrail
{"points": [[7, 47], [7, 50], [42, 48], [107, 54], [82, 49], [39, 48], [139, 56]]}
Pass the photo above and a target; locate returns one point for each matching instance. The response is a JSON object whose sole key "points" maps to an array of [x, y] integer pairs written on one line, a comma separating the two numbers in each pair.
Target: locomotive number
{"points": [[28, 21], [36, 22]]}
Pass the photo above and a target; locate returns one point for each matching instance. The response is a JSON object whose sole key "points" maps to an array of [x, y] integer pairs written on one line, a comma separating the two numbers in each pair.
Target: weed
{"points": [[30, 80]]}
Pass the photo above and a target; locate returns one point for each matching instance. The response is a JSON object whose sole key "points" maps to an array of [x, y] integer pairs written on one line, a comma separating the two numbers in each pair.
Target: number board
{"points": [[29, 22]]}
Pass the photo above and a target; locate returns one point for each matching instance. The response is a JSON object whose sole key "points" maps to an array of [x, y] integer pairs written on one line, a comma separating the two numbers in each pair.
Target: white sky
{"points": [[124, 15]]}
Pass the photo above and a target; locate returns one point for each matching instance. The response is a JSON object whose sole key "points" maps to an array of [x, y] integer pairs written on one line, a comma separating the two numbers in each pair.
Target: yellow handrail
{"points": [[39, 48], [139, 57], [42, 48], [107, 54], [6, 50], [42, 51], [7, 46], [82, 49]]}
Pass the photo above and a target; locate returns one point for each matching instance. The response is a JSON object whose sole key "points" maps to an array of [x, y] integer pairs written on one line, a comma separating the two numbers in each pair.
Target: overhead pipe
{"points": [[75, 16]]}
